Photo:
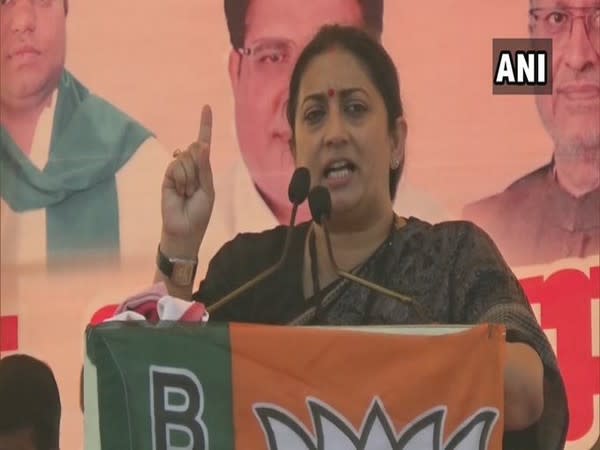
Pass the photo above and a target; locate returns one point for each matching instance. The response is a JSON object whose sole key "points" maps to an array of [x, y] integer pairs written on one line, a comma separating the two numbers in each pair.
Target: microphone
{"points": [[319, 201], [297, 193]]}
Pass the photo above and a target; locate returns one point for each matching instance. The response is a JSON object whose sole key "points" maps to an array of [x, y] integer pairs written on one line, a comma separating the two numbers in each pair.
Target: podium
{"points": [[240, 386]]}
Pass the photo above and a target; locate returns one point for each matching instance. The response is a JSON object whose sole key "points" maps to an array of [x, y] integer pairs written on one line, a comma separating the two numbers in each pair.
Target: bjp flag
{"points": [[240, 386]]}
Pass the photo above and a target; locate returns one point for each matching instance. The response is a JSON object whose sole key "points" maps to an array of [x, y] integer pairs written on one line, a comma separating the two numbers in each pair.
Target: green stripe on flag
{"points": [[154, 390]]}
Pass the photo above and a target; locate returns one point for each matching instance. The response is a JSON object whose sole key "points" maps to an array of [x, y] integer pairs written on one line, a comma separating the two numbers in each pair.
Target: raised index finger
{"points": [[204, 135]]}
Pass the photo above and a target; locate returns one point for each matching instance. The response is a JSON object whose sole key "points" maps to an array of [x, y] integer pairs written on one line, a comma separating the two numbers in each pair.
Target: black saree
{"points": [[452, 270]]}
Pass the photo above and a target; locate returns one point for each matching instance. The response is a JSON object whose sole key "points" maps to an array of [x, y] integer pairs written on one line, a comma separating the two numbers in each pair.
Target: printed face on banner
{"points": [[572, 114], [32, 49], [552, 212], [276, 33]]}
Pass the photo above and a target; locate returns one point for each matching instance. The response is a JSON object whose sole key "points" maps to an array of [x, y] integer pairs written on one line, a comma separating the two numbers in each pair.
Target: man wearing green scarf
{"points": [[62, 149]]}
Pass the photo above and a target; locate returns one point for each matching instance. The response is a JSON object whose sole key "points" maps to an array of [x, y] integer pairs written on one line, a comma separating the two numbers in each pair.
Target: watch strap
{"points": [[180, 271]]}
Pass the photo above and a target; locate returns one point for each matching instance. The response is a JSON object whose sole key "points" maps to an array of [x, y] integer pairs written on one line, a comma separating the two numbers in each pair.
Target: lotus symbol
{"points": [[332, 431]]}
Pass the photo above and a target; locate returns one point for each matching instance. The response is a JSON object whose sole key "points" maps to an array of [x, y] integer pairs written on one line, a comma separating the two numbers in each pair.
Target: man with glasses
{"points": [[66, 156], [267, 37], [554, 212]]}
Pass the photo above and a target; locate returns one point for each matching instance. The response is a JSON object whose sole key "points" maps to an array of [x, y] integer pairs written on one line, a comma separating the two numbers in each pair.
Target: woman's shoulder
{"points": [[244, 257], [446, 240], [452, 230], [262, 243]]}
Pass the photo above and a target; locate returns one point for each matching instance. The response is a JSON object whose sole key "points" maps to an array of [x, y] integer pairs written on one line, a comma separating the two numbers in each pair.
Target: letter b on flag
{"points": [[177, 404]]}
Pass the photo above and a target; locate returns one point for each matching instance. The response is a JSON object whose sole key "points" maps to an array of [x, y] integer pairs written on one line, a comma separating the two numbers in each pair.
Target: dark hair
{"points": [[30, 399], [380, 69], [236, 11]]}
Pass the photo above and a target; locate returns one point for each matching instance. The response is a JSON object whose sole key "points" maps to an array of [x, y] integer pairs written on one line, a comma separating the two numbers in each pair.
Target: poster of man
{"points": [[554, 211]]}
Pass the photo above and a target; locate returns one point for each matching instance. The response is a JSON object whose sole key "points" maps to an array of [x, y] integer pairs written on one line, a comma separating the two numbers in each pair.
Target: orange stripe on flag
{"points": [[281, 368]]}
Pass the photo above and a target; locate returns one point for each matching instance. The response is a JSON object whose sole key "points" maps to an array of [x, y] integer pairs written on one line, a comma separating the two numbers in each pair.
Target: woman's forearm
{"points": [[523, 387]]}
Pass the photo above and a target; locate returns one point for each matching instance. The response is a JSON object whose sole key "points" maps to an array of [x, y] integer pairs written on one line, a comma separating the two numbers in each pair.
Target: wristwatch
{"points": [[180, 271]]}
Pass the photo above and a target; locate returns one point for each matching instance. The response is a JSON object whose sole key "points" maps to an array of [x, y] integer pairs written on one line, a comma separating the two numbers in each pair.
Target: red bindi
{"points": [[331, 92]]}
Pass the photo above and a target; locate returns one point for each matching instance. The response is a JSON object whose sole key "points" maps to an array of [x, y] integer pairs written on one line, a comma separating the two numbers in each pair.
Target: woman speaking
{"points": [[349, 131]]}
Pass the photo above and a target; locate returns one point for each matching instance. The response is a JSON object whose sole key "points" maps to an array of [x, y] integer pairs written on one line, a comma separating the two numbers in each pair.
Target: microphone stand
{"points": [[320, 206], [382, 290], [297, 192], [288, 240]]}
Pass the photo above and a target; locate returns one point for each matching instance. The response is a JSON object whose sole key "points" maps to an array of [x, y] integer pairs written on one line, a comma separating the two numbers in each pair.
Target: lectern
{"points": [[238, 386]]}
